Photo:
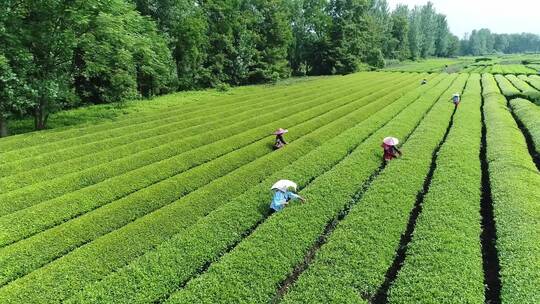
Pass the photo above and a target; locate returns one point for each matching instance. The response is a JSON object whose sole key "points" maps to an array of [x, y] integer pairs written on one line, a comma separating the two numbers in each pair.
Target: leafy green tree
{"points": [[273, 36], [184, 24], [400, 33], [309, 22], [189, 47], [488, 40], [232, 42], [222, 33], [481, 42], [348, 34], [415, 34], [442, 36], [119, 55], [475, 44], [15, 63], [14, 95], [524, 42], [258, 40], [453, 46], [428, 30], [501, 43], [46, 31], [380, 33], [89, 50]]}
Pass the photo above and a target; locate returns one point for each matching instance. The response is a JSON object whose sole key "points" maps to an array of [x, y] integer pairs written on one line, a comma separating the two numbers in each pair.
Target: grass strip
{"points": [[529, 115], [145, 113], [444, 260], [514, 182], [253, 270], [158, 226], [52, 139], [507, 87], [55, 165], [511, 69], [533, 80], [353, 264], [44, 156], [520, 84], [526, 89]]}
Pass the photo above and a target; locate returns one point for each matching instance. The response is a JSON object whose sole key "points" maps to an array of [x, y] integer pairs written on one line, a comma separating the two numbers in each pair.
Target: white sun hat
{"points": [[284, 184], [391, 141]]}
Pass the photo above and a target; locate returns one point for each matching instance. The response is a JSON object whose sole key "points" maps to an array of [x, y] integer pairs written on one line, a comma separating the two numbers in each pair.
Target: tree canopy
{"points": [[484, 42], [57, 54]]}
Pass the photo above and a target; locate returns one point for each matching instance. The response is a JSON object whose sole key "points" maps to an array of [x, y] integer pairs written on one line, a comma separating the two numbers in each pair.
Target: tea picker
{"points": [[456, 99], [390, 150], [280, 141], [282, 195]]}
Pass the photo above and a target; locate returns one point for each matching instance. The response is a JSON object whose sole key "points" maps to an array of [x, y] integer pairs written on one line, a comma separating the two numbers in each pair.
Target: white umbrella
{"points": [[284, 184], [391, 141]]}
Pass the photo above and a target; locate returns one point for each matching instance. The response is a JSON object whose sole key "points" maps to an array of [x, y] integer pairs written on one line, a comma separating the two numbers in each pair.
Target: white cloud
{"points": [[514, 16]]}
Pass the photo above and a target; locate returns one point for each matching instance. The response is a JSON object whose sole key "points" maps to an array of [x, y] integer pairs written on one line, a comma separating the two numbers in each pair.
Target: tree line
{"points": [[484, 42], [57, 54]]}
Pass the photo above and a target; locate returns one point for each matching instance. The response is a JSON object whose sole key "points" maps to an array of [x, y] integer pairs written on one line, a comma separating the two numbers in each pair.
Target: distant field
{"points": [[505, 69], [431, 65], [167, 201], [507, 64]]}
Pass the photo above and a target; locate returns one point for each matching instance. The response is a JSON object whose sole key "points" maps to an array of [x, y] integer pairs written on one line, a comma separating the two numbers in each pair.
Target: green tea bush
{"points": [[532, 80], [174, 140], [159, 272], [507, 87], [159, 175], [444, 257], [526, 90], [354, 261], [529, 114], [284, 239], [72, 262], [514, 183]]}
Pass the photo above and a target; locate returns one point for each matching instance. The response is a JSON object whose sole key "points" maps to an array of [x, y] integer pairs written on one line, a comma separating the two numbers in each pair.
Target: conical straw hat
{"points": [[391, 141], [280, 131], [284, 184]]}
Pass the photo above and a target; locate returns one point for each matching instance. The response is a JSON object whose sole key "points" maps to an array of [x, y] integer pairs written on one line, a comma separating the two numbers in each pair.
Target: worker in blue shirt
{"points": [[281, 198]]}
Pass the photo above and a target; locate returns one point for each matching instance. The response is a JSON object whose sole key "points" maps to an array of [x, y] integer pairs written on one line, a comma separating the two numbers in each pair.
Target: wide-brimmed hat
{"points": [[391, 141], [283, 185], [280, 131]]}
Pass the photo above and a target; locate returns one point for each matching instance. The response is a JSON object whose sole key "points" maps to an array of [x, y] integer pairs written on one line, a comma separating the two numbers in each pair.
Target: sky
{"points": [[499, 16]]}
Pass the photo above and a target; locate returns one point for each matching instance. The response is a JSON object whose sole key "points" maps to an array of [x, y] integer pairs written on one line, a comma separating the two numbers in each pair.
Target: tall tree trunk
{"points": [[3, 127], [40, 116]]}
